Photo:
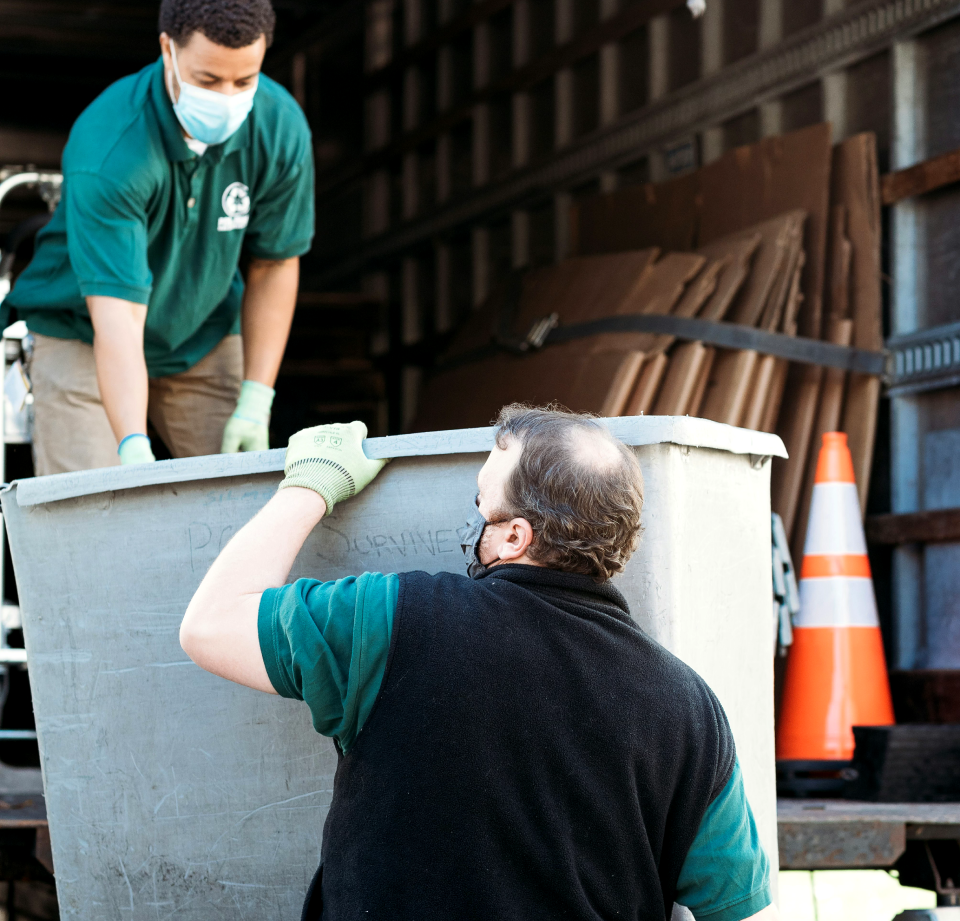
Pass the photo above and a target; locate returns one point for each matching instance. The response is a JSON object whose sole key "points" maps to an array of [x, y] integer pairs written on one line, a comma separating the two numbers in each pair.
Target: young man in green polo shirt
{"points": [[511, 744], [134, 296]]}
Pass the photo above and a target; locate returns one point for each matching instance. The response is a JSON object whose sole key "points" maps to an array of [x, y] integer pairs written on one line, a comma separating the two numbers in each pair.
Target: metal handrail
{"points": [[49, 182], [49, 178]]}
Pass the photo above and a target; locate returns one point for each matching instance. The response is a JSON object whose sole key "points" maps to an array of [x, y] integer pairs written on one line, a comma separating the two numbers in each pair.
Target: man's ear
{"points": [[517, 538]]}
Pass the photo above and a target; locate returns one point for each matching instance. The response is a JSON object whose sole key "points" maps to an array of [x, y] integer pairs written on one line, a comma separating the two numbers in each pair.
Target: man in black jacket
{"points": [[512, 745]]}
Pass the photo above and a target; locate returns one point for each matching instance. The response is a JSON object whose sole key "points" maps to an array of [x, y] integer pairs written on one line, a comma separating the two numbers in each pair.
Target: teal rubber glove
{"points": [[329, 459], [248, 429], [135, 449]]}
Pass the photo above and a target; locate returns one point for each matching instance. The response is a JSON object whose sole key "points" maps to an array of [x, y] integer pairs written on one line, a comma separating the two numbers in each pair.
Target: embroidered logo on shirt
{"points": [[236, 206]]}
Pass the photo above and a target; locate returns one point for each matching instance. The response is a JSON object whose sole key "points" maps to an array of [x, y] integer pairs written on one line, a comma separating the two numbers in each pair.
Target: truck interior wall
{"points": [[420, 110], [925, 427]]}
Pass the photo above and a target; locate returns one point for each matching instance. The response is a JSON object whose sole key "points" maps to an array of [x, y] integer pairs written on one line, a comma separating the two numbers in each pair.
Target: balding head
{"points": [[594, 450], [578, 486]]}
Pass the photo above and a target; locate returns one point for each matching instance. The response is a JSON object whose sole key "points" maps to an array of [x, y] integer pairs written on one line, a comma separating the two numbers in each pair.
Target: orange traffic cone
{"points": [[836, 673]]}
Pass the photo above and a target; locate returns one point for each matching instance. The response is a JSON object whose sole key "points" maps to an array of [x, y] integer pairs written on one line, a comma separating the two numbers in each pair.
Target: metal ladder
{"points": [[16, 422]]}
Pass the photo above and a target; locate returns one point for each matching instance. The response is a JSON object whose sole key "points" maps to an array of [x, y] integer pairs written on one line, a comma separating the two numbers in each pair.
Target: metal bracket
{"points": [[948, 891], [540, 330], [925, 360]]}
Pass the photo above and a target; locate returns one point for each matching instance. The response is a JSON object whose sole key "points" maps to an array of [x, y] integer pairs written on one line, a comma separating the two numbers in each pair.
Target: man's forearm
{"points": [[268, 305], [219, 629], [121, 366]]}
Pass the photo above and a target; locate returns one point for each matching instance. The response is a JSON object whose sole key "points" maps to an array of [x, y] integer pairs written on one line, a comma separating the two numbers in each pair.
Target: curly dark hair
{"points": [[579, 487], [230, 23]]}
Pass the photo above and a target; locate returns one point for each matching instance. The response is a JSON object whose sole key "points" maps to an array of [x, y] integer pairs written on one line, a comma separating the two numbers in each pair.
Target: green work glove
{"points": [[329, 459], [248, 429], [135, 449]]}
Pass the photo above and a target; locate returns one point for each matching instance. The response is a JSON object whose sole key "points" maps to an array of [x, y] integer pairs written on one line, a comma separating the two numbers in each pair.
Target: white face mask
{"points": [[209, 116]]}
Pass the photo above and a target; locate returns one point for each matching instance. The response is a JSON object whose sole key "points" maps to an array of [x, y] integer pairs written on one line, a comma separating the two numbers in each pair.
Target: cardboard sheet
{"points": [[676, 395], [764, 294], [698, 293], [583, 288], [658, 291], [855, 185], [795, 259], [759, 395], [752, 184], [729, 386], [592, 375], [779, 244], [840, 332], [648, 383], [663, 214], [794, 426], [703, 378], [778, 376], [739, 249]]}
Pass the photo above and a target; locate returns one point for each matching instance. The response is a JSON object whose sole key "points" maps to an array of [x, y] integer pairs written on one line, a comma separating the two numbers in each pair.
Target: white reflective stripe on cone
{"points": [[837, 601], [835, 524]]}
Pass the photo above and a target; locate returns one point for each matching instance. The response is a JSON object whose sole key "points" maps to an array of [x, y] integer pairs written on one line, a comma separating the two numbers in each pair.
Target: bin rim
{"points": [[635, 431]]}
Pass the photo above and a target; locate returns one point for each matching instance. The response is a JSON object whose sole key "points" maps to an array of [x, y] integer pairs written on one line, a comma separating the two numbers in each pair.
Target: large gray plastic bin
{"points": [[175, 794]]}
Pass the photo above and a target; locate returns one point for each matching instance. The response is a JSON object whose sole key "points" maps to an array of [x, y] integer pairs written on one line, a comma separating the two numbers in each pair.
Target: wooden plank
{"points": [[923, 177], [840, 332], [913, 763], [336, 299], [648, 383], [318, 367], [752, 184], [20, 811], [929, 527], [855, 186]]}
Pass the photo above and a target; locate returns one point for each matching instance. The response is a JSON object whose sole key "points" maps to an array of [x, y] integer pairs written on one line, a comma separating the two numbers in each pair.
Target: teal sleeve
{"points": [[107, 238], [726, 875], [282, 223], [326, 643]]}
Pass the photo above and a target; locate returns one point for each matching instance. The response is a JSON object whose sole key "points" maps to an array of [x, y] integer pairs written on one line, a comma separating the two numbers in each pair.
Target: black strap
{"points": [[724, 335], [732, 336]]}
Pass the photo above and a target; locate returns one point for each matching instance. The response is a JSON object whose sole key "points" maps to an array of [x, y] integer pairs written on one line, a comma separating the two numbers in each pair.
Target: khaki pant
{"points": [[71, 430]]}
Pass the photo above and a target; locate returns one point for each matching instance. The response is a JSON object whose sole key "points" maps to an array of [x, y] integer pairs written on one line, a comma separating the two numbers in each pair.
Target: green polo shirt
{"points": [[327, 643], [143, 218]]}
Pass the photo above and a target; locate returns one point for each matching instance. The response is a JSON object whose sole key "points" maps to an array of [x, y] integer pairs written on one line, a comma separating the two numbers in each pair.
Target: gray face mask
{"points": [[470, 536]]}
